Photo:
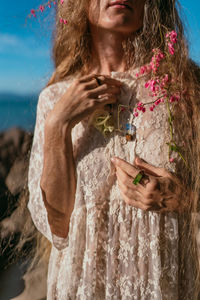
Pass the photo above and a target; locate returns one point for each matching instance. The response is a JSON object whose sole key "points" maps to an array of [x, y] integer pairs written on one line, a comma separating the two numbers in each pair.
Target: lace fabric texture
{"points": [[113, 250]]}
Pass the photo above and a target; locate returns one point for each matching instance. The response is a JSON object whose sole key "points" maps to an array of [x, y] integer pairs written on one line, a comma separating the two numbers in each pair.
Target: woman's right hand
{"points": [[58, 180], [82, 98]]}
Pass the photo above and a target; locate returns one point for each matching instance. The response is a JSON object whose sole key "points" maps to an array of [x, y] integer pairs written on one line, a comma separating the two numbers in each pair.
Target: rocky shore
{"points": [[15, 145]]}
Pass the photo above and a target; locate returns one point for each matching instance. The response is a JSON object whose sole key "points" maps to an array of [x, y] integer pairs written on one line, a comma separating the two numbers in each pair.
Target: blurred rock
{"points": [[15, 144], [17, 176], [35, 285], [15, 147]]}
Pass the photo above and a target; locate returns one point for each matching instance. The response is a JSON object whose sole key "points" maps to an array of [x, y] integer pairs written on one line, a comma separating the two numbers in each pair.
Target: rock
{"points": [[14, 135], [17, 176], [35, 284], [15, 144]]}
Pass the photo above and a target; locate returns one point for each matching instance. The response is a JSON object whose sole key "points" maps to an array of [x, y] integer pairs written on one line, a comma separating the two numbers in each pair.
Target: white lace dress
{"points": [[113, 251]]}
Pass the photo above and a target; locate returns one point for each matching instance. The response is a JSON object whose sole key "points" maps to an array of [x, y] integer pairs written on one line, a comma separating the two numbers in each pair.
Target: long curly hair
{"points": [[72, 56]]}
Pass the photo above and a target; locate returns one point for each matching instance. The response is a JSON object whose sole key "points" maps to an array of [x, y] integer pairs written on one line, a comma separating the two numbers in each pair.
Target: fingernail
{"points": [[139, 160]]}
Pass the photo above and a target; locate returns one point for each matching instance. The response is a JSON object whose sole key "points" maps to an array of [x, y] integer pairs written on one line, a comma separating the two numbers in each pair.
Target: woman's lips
{"points": [[120, 4]]}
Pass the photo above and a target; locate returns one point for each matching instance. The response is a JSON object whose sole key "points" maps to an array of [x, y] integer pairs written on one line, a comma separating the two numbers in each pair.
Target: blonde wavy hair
{"points": [[72, 56]]}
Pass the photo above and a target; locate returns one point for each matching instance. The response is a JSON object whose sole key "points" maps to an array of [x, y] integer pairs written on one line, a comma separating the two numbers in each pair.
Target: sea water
{"points": [[20, 114]]}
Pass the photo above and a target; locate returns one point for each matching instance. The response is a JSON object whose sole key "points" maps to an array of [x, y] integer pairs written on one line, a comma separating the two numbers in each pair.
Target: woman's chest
{"points": [[94, 151]]}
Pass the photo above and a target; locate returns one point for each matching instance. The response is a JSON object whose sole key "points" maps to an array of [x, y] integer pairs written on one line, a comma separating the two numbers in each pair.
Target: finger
{"points": [[128, 180], [103, 89], [125, 166], [152, 185], [86, 78], [128, 191], [136, 204], [155, 171], [105, 100], [137, 192], [102, 78], [109, 80], [144, 197], [92, 84]]}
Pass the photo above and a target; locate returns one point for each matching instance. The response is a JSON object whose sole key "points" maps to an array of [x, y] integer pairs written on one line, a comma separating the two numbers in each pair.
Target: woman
{"points": [[116, 233]]}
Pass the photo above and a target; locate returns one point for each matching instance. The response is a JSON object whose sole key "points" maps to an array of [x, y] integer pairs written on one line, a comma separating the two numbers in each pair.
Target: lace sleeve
{"points": [[36, 205]]}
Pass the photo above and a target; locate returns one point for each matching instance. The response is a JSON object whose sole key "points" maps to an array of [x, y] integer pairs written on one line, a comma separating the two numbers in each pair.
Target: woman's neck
{"points": [[107, 52]]}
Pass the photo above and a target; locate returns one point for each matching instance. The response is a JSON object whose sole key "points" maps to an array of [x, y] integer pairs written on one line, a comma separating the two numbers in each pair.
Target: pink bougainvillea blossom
{"points": [[163, 88], [172, 36], [42, 7], [171, 39], [158, 85], [156, 59], [154, 64], [33, 12]]}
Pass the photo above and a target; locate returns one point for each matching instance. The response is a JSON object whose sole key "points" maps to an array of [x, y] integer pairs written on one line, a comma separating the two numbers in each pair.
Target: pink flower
{"points": [[140, 107], [172, 99], [164, 81], [152, 107], [143, 69], [171, 39], [136, 114], [143, 109], [157, 102], [177, 97], [61, 20], [172, 36], [171, 48], [33, 12], [61, 1], [65, 21], [41, 8], [171, 159]]}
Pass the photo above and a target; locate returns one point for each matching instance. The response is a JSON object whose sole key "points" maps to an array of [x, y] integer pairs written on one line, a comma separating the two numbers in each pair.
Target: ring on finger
{"points": [[138, 177], [141, 178]]}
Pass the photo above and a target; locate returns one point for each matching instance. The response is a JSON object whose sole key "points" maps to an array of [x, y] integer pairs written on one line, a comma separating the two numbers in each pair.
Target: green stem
{"points": [[171, 133], [170, 119], [181, 156]]}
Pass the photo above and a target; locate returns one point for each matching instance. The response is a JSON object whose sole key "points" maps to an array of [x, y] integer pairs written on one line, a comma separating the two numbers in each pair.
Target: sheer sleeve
{"points": [[36, 205]]}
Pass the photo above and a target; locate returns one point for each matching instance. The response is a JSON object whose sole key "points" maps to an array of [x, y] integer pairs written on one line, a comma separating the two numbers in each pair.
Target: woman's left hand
{"points": [[158, 190]]}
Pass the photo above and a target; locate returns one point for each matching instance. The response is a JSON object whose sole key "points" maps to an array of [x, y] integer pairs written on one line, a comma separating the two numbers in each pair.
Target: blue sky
{"points": [[25, 63]]}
